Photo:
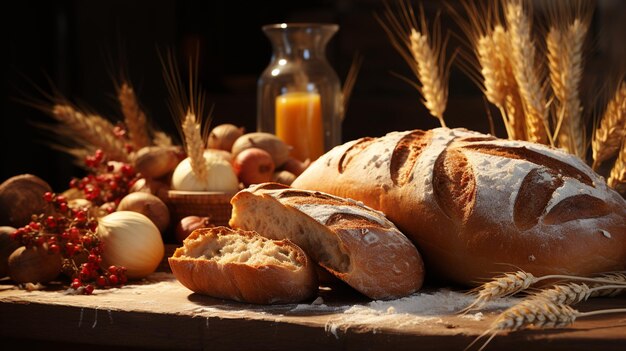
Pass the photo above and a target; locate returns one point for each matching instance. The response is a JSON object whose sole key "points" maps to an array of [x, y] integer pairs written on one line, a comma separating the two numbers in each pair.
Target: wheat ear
{"points": [[430, 74], [348, 84], [616, 277], [194, 145], [610, 133], [94, 130], [423, 51], [565, 57], [617, 177], [538, 313], [135, 118], [526, 72]]}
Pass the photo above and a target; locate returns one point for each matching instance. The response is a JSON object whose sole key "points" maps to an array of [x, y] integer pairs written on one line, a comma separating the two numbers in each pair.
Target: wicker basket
{"points": [[214, 205]]}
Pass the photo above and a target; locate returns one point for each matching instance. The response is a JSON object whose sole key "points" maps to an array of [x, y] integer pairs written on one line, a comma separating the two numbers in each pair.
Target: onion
{"points": [[296, 166], [131, 240], [223, 136], [254, 166], [220, 176], [284, 177], [149, 206], [189, 224]]}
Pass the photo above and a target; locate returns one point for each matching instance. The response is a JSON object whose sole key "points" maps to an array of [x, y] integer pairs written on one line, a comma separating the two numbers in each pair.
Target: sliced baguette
{"points": [[353, 242], [243, 266]]}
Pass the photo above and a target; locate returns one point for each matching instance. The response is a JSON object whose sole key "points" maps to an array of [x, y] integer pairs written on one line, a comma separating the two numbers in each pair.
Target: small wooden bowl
{"points": [[215, 205]]}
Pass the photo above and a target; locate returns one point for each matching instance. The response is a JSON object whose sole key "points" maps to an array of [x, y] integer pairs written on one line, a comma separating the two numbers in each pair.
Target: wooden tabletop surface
{"points": [[160, 313]]}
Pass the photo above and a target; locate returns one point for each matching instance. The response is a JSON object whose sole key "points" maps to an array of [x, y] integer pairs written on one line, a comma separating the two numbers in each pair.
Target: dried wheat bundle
{"points": [[162, 139], [90, 130], [194, 145], [611, 131], [135, 118], [526, 71], [424, 51], [348, 84]]}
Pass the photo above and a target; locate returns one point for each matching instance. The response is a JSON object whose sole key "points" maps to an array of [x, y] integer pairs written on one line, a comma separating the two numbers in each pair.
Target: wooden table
{"points": [[161, 313]]}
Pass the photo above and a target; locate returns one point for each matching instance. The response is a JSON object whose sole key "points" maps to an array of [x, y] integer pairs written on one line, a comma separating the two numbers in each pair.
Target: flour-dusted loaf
{"points": [[243, 266], [353, 242], [476, 205]]}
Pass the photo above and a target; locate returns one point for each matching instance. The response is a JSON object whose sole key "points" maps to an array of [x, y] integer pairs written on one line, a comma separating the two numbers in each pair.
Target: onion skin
{"points": [[221, 176], [7, 246], [131, 240], [148, 205], [34, 265], [189, 224], [254, 166]]}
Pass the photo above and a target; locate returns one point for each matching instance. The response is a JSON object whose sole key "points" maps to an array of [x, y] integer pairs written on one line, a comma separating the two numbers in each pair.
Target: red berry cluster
{"points": [[72, 233], [107, 183]]}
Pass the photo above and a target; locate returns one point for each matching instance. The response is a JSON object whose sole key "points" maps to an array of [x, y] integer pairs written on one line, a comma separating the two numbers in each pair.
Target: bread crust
{"points": [[477, 206], [353, 242], [250, 283]]}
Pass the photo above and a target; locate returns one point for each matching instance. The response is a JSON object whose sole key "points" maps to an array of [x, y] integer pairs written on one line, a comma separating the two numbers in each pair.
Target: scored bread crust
{"points": [[256, 283], [477, 206], [353, 242]]}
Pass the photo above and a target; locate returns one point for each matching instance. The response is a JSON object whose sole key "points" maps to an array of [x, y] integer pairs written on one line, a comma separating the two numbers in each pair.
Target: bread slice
{"points": [[355, 243], [243, 266]]}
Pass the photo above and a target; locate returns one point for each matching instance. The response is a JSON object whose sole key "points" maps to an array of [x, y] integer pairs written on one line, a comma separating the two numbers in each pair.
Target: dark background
{"points": [[77, 47]]}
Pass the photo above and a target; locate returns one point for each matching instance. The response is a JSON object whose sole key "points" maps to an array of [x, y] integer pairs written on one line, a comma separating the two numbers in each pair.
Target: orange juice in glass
{"points": [[299, 124]]}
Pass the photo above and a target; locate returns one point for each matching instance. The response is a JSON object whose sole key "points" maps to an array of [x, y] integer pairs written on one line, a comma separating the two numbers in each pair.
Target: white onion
{"points": [[220, 176], [131, 240]]}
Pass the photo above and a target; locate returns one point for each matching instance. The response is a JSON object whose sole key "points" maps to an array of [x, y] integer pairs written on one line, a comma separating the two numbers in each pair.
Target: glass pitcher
{"points": [[299, 94]]}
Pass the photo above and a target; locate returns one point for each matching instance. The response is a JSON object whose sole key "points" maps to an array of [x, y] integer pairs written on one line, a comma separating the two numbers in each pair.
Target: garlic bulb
{"points": [[220, 176], [131, 240]]}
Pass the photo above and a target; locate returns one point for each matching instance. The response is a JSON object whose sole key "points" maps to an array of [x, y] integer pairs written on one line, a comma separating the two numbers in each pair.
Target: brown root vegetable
{"points": [[21, 197], [223, 137], [296, 166], [254, 166], [155, 187], [156, 161], [268, 142], [284, 177], [34, 265], [7, 246], [189, 224], [149, 206]]}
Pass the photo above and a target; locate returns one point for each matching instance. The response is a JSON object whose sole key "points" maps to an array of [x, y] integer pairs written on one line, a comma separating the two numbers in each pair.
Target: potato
{"points": [[21, 197], [7, 246], [34, 265]]}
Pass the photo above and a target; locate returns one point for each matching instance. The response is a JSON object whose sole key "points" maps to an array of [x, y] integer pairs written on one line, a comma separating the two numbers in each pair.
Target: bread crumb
{"points": [[391, 310], [605, 233]]}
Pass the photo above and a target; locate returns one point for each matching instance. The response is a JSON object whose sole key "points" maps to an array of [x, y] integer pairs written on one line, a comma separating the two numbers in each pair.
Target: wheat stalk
{"points": [[348, 84], [511, 283], [425, 54], [617, 177], [526, 72], [609, 134], [194, 145], [565, 59], [538, 313], [135, 118], [94, 130]]}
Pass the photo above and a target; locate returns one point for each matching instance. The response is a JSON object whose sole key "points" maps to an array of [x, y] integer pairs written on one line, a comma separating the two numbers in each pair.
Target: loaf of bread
{"points": [[243, 266], [476, 206], [353, 242]]}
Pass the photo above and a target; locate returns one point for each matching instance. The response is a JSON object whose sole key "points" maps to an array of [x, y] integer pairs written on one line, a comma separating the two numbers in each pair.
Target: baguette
{"points": [[243, 266], [476, 205], [353, 242]]}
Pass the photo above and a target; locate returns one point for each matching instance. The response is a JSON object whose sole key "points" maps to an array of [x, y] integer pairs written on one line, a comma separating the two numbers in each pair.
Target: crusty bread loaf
{"points": [[243, 266], [476, 205], [355, 243]]}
